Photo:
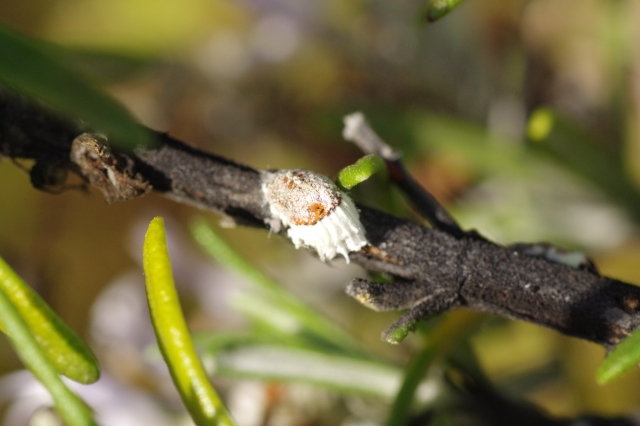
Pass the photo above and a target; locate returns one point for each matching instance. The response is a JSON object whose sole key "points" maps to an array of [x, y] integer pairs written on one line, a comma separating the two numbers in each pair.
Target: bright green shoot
{"points": [[72, 409], [68, 354], [197, 393], [360, 171]]}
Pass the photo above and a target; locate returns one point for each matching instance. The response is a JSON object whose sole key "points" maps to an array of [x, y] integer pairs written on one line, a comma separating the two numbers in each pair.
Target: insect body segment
{"points": [[316, 212]]}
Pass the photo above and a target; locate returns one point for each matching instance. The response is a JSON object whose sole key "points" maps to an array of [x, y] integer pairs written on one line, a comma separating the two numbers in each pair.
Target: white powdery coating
{"points": [[317, 213], [338, 233]]}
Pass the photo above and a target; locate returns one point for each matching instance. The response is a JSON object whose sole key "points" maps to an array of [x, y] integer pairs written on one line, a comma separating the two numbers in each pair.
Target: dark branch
{"points": [[438, 271]]}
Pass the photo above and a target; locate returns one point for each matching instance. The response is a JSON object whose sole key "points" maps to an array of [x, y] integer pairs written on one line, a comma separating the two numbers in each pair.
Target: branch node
{"points": [[111, 173]]}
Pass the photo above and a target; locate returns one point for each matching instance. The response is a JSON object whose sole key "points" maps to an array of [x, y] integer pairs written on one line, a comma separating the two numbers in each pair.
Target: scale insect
{"points": [[315, 211]]}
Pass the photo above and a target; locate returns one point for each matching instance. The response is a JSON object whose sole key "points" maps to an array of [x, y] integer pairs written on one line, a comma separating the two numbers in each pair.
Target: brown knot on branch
{"points": [[112, 173]]}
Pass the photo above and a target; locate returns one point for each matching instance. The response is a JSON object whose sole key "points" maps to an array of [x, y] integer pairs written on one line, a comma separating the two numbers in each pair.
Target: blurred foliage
{"points": [[62, 89], [267, 84], [270, 304]]}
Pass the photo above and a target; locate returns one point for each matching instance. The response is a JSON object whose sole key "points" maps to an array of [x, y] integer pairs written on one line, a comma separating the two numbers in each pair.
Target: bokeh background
{"points": [[522, 117]]}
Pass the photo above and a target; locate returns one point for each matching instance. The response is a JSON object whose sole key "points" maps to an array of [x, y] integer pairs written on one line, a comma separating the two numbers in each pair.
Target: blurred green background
{"points": [[522, 117]]}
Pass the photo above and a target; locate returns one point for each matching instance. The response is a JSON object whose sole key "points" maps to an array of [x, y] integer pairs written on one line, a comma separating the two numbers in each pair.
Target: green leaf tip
{"points": [[622, 358], [396, 334], [360, 171], [188, 374], [69, 355], [436, 9], [37, 69]]}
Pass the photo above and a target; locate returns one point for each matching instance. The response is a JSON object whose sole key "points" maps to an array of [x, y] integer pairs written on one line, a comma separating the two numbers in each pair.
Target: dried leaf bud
{"points": [[316, 212]]}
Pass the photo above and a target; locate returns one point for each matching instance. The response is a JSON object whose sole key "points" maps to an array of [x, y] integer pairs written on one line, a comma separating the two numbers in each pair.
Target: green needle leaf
{"points": [[31, 67], [66, 351], [200, 398], [71, 408], [360, 171], [622, 358]]}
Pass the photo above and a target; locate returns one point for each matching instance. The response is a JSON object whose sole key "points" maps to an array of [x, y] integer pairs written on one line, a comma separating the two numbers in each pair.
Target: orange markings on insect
{"points": [[315, 213], [318, 211], [289, 182]]}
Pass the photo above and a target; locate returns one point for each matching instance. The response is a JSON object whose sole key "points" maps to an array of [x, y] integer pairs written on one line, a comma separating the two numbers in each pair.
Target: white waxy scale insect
{"points": [[316, 212]]}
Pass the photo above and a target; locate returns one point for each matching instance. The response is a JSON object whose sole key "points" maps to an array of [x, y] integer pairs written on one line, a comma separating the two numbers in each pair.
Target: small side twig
{"points": [[358, 131]]}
